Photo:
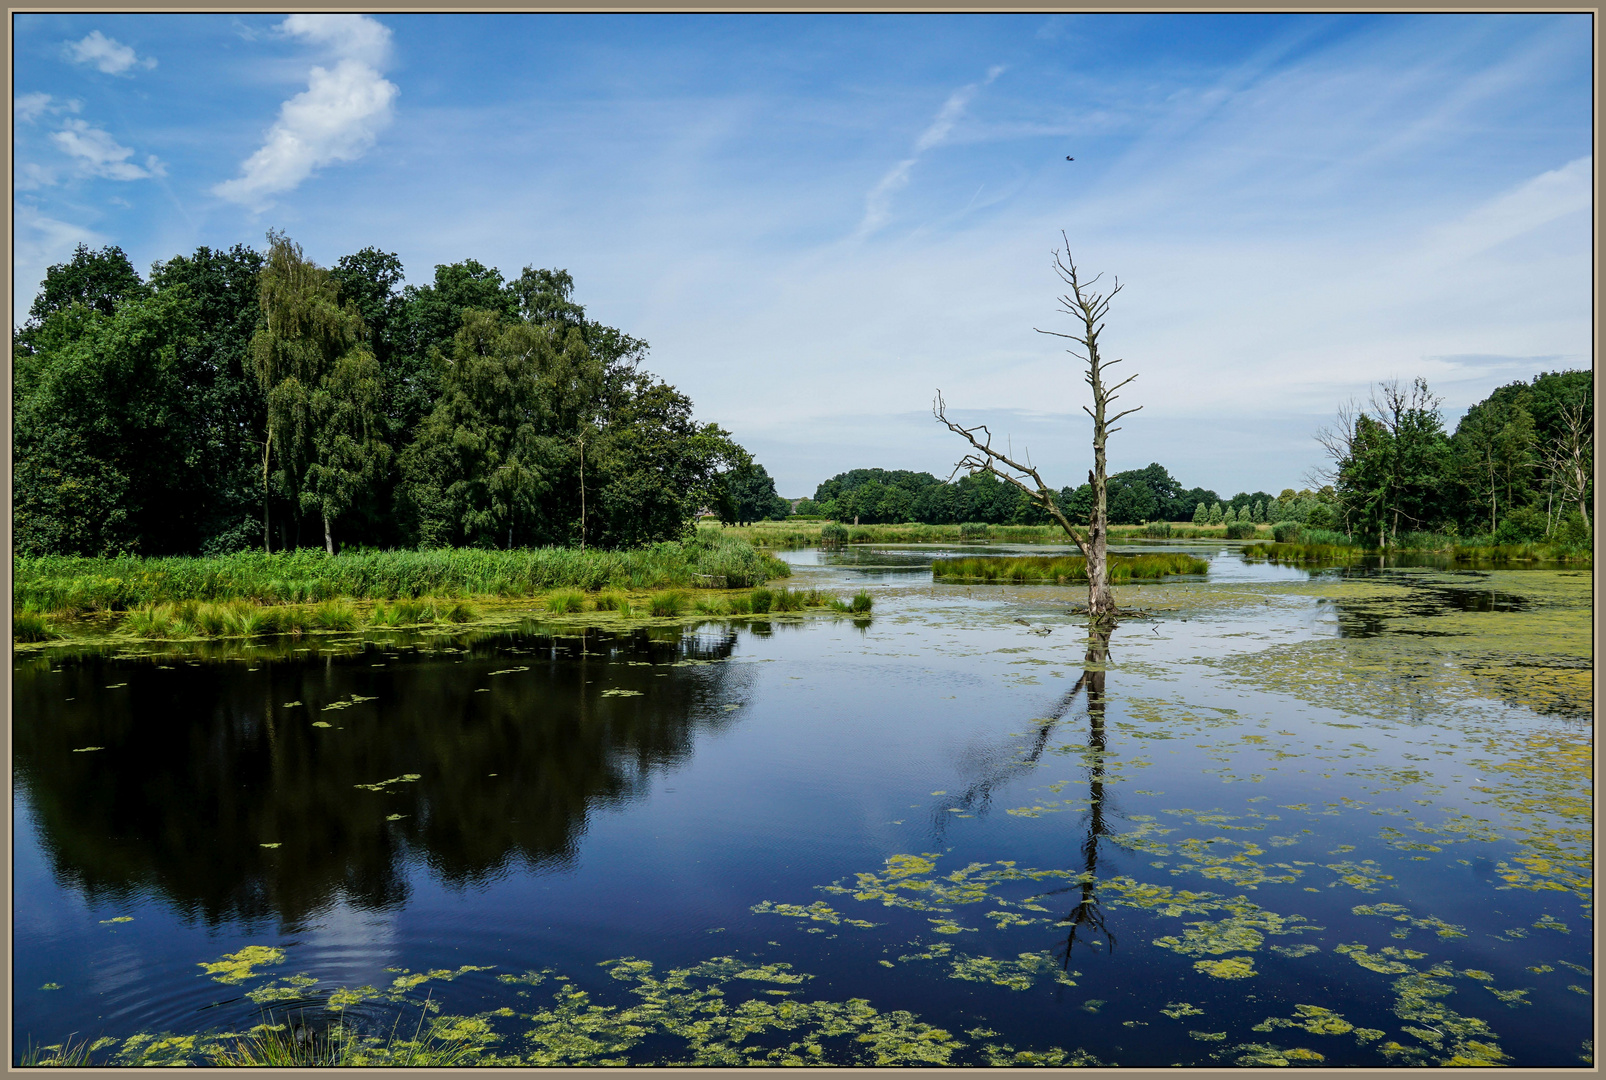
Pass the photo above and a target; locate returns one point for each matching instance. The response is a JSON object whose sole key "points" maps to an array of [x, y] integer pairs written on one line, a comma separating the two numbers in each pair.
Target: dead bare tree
{"points": [[1088, 308], [1571, 457]]}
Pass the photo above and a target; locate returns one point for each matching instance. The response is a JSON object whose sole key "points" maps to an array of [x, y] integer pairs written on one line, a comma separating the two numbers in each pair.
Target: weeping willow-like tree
{"points": [[324, 438]]}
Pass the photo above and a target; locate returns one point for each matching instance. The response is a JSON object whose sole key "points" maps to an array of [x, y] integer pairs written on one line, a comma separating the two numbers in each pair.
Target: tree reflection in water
{"points": [[514, 742], [998, 765]]}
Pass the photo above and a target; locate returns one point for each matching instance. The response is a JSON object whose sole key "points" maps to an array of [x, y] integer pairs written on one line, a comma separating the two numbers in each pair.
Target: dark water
{"points": [[1342, 814]]}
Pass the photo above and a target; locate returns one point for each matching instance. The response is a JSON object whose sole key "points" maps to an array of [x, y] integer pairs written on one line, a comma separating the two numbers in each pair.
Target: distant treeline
{"points": [[878, 496], [1519, 466], [239, 398]]}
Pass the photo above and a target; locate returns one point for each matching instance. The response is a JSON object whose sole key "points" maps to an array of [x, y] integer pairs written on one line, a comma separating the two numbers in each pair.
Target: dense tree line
{"points": [[875, 496], [240, 399], [1518, 467]]}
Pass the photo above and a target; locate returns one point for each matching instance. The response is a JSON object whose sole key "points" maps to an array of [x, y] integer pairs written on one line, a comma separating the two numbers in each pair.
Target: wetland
{"points": [[1287, 815]]}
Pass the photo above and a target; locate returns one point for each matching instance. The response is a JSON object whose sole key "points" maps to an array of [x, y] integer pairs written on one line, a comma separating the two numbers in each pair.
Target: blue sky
{"points": [[818, 220]]}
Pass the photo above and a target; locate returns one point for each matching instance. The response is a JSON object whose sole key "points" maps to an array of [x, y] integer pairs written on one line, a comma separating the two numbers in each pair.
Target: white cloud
{"points": [[29, 107], [1548, 196], [107, 54], [336, 119], [877, 204], [32, 177], [97, 153], [40, 243], [351, 37]]}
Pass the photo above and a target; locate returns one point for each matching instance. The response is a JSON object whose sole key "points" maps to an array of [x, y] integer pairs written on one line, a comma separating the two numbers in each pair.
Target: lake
{"points": [[1279, 816]]}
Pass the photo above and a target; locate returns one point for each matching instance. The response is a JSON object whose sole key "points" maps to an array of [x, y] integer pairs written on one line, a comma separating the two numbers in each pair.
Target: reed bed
{"points": [[74, 585], [1064, 569], [1303, 553]]}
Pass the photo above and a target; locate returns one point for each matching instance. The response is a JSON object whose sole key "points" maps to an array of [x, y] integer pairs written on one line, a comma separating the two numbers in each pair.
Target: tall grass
{"points": [[1064, 569], [70, 584], [289, 1046], [1305, 552]]}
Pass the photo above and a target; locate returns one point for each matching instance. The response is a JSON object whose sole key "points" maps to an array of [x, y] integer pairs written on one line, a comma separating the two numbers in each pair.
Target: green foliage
{"points": [[238, 394], [833, 534], [1240, 530], [1156, 530], [862, 603], [750, 496], [566, 602], [668, 605], [1063, 569], [1286, 532], [1217, 515], [759, 601], [1520, 526], [69, 584], [1201, 514]]}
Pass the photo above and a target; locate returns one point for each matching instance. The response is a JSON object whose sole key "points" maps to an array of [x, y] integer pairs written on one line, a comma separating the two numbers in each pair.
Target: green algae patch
{"points": [[386, 785], [238, 967], [1234, 967]]}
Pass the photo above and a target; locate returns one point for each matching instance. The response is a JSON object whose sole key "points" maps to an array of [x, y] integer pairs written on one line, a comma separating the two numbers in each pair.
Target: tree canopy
{"points": [[237, 399]]}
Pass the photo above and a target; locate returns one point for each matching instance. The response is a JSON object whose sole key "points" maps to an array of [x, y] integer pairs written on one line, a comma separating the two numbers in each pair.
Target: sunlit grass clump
{"points": [[1063, 569]]}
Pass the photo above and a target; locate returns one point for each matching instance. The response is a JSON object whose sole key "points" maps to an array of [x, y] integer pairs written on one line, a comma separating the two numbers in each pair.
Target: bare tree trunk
{"points": [[1089, 308], [267, 544], [328, 538]]}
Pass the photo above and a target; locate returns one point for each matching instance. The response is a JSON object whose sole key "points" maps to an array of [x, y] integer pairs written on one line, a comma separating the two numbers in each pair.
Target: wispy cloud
{"points": [[878, 203], [27, 108], [98, 154], [39, 242], [107, 54], [336, 119]]}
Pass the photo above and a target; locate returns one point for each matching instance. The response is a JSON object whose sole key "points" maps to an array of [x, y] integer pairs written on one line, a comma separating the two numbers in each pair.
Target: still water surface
{"points": [[1280, 817]]}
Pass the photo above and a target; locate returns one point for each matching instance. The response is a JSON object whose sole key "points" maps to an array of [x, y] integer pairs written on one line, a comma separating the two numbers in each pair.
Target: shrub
{"points": [[1201, 514], [566, 603], [862, 602], [973, 530], [1571, 531], [334, 616], [1240, 530], [833, 535], [667, 605], [30, 626], [759, 600], [1286, 532], [1520, 526], [1156, 530]]}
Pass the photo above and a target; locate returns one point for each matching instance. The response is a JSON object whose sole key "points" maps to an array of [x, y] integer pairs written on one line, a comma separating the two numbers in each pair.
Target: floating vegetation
{"points": [[1063, 569], [238, 967], [1385, 736], [386, 785]]}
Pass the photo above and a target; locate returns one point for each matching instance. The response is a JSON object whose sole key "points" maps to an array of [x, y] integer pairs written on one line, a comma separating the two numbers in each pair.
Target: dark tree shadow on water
{"points": [[997, 766]]}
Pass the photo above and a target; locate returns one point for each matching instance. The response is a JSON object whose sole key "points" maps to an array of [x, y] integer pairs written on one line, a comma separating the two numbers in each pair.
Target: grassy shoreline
{"points": [[72, 585], [245, 620]]}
